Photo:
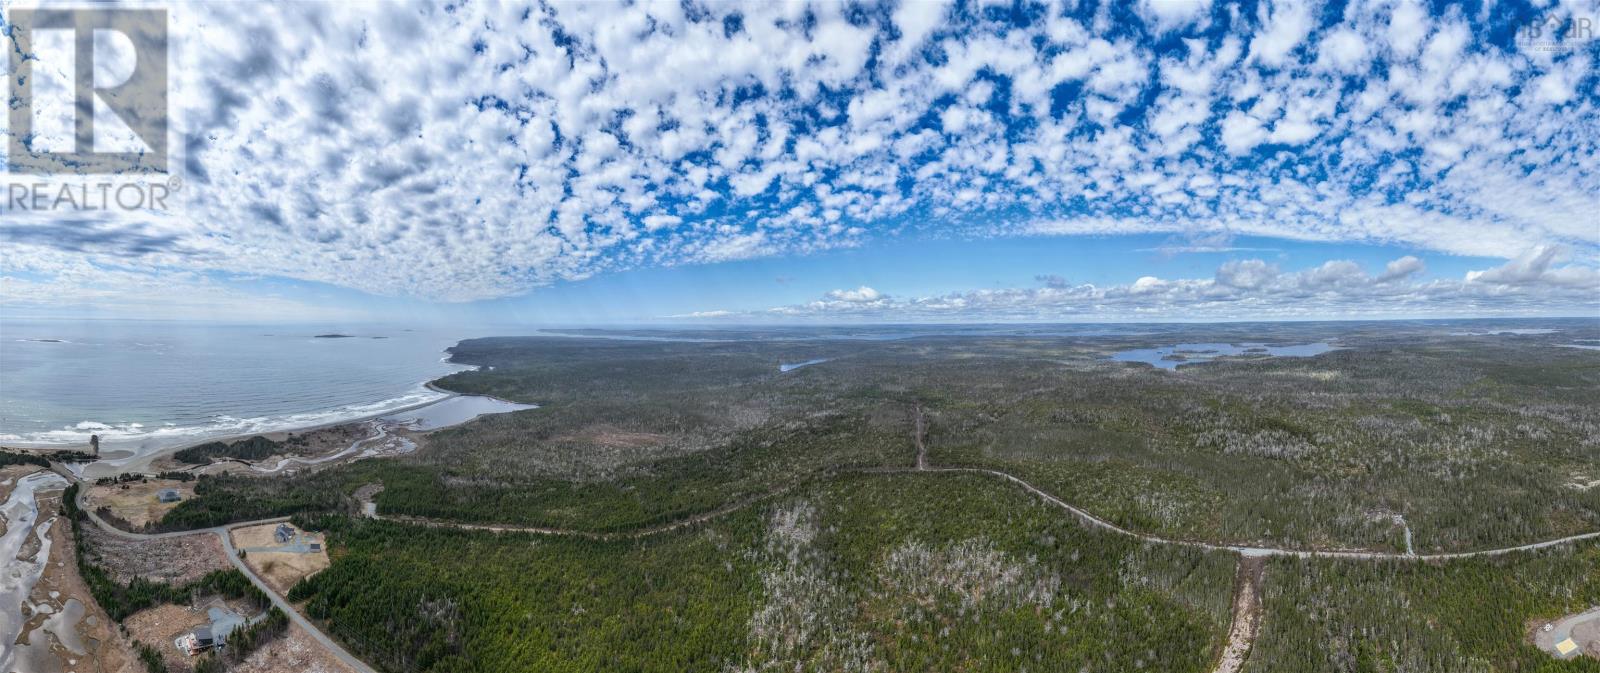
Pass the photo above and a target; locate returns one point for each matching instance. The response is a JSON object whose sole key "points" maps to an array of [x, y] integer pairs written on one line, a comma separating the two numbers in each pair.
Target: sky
{"points": [[719, 163]]}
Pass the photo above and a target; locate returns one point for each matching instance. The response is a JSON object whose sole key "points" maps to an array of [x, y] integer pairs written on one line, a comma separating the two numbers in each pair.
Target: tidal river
{"points": [[18, 575]]}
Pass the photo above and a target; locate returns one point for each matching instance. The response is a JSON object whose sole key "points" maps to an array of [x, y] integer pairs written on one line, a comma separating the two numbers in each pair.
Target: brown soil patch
{"points": [[295, 651], [135, 502], [175, 560], [1589, 635], [283, 570], [1246, 615]]}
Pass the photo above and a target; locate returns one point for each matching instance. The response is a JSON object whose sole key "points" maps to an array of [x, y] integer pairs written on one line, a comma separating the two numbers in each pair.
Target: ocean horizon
{"points": [[149, 385]]}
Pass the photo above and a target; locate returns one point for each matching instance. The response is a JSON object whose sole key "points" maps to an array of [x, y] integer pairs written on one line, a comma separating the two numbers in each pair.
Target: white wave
{"points": [[166, 435]]}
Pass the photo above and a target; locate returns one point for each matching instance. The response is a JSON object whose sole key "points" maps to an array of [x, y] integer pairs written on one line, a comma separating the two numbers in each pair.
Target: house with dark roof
{"points": [[198, 640], [168, 495]]}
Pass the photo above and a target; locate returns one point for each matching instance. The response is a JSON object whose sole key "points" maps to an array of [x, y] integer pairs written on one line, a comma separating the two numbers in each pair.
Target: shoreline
{"points": [[60, 448], [143, 460]]}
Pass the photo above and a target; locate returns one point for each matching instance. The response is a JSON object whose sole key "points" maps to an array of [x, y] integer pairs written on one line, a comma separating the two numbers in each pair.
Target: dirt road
{"points": [[1246, 615]]}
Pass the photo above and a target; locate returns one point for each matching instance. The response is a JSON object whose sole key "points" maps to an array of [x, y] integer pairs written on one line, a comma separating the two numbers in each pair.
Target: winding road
{"points": [[1247, 553], [922, 466], [233, 557]]}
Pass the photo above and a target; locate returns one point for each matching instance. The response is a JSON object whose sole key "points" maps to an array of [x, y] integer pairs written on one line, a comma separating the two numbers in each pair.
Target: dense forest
{"points": [[252, 448], [1465, 616], [19, 458], [1342, 450], [889, 572], [1466, 442], [223, 498]]}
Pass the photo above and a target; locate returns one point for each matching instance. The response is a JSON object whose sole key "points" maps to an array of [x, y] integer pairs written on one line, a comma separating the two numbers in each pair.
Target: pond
{"points": [[791, 367], [453, 411], [1169, 357]]}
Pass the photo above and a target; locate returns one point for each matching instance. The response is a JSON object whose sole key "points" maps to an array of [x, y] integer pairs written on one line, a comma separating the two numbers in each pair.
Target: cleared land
{"points": [[175, 560], [159, 626], [281, 564], [1579, 632], [1246, 616], [136, 502], [295, 652]]}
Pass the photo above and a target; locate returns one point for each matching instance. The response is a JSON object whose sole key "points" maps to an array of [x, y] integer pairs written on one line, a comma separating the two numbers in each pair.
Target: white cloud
{"points": [[1538, 266], [1404, 267], [1243, 289], [479, 152], [1248, 274], [856, 296], [1408, 24], [1288, 24], [1169, 14], [1343, 49], [1241, 132]]}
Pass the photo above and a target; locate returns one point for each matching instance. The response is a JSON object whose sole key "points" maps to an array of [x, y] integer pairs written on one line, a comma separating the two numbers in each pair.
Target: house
{"points": [[316, 546], [198, 640], [1566, 647], [168, 495], [284, 533]]}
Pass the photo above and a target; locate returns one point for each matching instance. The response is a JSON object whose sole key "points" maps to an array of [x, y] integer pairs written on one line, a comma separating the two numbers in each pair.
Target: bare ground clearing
{"points": [[1246, 615], [136, 502], [175, 560], [294, 651], [160, 625], [280, 569]]}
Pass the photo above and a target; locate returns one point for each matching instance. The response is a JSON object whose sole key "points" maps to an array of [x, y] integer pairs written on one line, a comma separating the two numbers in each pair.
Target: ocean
{"points": [[149, 385]]}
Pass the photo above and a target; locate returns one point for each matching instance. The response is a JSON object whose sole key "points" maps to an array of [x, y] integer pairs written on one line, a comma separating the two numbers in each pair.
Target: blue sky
{"points": [[927, 161]]}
